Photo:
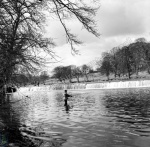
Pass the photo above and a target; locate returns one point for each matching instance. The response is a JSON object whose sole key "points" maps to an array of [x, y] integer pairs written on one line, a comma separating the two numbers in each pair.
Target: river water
{"points": [[94, 118]]}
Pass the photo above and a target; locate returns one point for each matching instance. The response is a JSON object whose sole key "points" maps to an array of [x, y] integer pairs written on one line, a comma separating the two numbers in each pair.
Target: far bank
{"points": [[86, 86]]}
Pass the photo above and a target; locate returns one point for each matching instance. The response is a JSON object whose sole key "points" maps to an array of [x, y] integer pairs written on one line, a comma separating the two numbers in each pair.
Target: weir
{"points": [[121, 84], [82, 86]]}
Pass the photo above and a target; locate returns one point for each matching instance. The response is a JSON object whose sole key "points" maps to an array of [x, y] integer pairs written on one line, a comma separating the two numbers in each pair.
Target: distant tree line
{"points": [[119, 61], [64, 73], [26, 79], [126, 60]]}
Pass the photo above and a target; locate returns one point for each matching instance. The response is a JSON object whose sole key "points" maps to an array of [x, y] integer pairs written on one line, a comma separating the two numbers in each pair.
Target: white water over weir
{"points": [[121, 84], [82, 86]]}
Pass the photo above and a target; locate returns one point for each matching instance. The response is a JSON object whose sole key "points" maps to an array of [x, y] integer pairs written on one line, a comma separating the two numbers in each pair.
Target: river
{"points": [[94, 118]]}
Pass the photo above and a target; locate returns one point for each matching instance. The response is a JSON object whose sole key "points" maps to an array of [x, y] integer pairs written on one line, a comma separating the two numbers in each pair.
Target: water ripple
{"points": [[94, 118]]}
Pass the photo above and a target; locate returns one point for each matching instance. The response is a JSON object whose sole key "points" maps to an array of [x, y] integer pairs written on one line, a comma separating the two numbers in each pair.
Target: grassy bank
{"points": [[98, 78]]}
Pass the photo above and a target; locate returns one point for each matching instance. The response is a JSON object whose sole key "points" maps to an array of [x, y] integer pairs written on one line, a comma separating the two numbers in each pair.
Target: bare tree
{"points": [[43, 77], [85, 71], [137, 56], [21, 30], [77, 73], [106, 66], [58, 73], [115, 60], [144, 48]]}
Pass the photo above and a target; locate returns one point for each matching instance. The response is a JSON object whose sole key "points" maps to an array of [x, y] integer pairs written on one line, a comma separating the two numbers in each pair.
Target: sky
{"points": [[119, 22]]}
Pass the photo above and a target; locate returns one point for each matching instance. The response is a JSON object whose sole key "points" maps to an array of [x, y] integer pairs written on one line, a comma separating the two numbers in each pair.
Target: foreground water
{"points": [[94, 118]]}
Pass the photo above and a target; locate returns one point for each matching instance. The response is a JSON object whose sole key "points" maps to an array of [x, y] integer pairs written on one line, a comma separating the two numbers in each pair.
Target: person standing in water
{"points": [[66, 95]]}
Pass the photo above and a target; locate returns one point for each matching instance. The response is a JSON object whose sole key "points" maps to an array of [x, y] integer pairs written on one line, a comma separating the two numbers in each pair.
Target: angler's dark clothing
{"points": [[66, 98]]}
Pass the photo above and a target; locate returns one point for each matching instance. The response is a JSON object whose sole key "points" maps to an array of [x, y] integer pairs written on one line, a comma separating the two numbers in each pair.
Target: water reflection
{"points": [[114, 118], [67, 107], [10, 124]]}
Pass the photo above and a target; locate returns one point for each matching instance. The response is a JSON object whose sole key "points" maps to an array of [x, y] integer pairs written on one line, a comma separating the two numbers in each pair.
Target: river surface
{"points": [[93, 118]]}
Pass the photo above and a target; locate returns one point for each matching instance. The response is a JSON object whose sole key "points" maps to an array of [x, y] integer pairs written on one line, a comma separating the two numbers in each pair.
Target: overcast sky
{"points": [[118, 21]]}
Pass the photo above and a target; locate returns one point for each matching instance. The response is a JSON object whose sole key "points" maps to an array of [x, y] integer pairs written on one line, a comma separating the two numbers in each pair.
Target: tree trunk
{"points": [[137, 72], [108, 77], [148, 68], [78, 79], [129, 75], [86, 77], [115, 75]]}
